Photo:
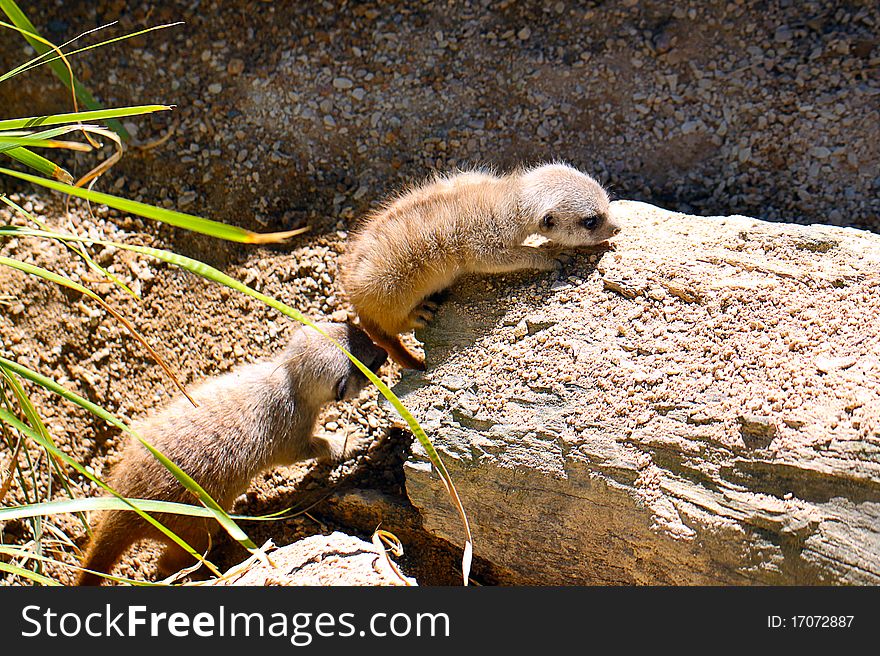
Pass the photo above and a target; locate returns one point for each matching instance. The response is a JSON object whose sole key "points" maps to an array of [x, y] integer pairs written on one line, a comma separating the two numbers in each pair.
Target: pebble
{"points": [[235, 66]]}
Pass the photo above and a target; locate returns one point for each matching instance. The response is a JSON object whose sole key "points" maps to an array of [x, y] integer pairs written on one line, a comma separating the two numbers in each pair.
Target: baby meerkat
{"points": [[473, 222], [257, 417]]}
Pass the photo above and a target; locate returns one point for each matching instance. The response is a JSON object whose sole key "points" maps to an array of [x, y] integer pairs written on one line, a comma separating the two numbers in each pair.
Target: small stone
{"points": [[756, 431], [455, 382], [342, 83], [537, 322], [235, 66], [662, 42], [689, 126], [657, 293], [782, 34], [826, 365], [524, 33], [215, 88]]}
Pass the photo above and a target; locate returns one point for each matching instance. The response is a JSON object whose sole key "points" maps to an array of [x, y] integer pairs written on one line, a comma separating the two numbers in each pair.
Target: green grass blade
{"points": [[52, 386], [219, 514], [183, 478], [39, 58], [28, 574], [18, 552], [8, 143], [100, 503], [18, 18], [45, 138], [51, 276], [92, 504], [42, 59], [39, 163], [76, 117], [13, 422], [33, 417], [70, 284], [210, 273], [171, 217]]}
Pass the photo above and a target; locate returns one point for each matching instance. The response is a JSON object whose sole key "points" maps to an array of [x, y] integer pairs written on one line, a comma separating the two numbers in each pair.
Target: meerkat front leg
{"points": [[335, 448], [517, 259]]}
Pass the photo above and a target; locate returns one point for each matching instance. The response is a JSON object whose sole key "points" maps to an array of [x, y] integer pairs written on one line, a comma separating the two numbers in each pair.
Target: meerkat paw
{"points": [[336, 448], [356, 446], [555, 257], [551, 262], [422, 314]]}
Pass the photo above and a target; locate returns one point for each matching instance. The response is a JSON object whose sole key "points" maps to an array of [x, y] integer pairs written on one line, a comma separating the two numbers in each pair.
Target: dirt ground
{"points": [[291, 114]]}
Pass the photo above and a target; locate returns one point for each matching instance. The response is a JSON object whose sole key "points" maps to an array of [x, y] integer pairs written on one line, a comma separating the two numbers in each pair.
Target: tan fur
{"points": [[472, 222], [257, 417]]}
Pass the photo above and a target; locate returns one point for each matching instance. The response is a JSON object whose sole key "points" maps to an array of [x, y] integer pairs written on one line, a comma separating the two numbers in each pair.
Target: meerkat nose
{"points": [[616, 230]]}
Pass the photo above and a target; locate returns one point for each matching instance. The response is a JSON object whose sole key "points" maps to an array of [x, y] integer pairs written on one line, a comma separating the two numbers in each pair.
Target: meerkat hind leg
{"points": [[176, 558]]}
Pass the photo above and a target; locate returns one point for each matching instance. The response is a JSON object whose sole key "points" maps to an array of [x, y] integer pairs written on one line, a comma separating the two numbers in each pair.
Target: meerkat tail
{"points": [[108, 544], [396, 349]]}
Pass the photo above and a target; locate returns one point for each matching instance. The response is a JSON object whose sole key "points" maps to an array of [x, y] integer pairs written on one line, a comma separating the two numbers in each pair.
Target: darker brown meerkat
{"points": [[257, 417], [419, 243]]}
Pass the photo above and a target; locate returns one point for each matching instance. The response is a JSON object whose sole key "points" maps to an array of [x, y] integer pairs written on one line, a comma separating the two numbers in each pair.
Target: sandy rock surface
{"points": [[700, 405]]}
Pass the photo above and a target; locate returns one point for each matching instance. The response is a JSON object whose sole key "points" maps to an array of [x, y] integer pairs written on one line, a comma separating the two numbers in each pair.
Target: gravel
{"points": [[763, 109]]}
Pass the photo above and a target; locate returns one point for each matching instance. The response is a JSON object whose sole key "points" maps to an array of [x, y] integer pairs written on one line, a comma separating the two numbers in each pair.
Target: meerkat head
{"points": [[566, 206], [322, 371]]}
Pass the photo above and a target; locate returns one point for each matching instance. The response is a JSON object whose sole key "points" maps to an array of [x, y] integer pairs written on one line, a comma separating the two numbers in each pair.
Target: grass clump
{"points": [[36, 477]]}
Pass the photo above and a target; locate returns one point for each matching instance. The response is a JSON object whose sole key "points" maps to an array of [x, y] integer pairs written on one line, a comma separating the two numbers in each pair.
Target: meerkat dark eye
{"points": [[547, 222], [591, 222]]}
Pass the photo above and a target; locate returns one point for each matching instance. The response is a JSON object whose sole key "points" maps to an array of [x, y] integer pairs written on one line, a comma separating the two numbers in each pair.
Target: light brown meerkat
{"points": [[254, 418], [471, 222]]}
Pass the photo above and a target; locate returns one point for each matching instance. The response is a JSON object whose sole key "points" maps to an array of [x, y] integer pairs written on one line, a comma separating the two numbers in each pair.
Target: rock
{"points": [[826, 365], [756, 431], [235, 66], [782, 34], [335, 559], [650, 438]]}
